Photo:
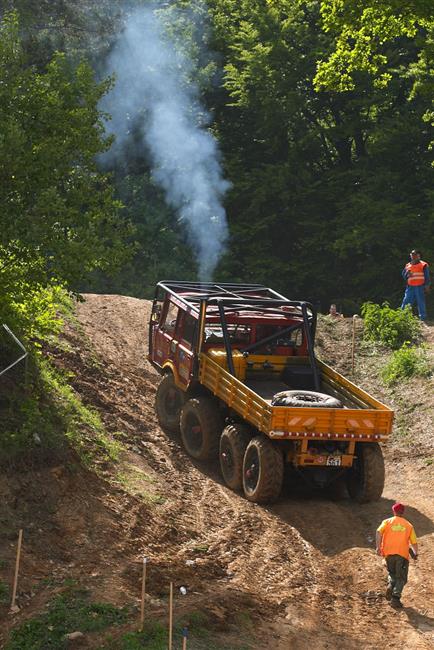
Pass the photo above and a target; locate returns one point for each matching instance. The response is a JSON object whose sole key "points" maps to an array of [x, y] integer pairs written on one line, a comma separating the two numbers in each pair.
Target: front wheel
{"points": [[169, 401], [365, 479], [201, 426], [262, 470]]}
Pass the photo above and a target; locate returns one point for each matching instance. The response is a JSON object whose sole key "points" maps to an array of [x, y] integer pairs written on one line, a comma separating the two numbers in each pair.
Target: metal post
{"points": [[202, 319], [18, 342], [310, 349], [353, 345], [226, 339]]}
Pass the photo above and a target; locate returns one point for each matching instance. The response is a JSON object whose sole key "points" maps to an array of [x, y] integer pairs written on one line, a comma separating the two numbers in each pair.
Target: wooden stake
{"points": [[353, 347], [142, 608], [171, 616], [17, 567], [184, 638]]}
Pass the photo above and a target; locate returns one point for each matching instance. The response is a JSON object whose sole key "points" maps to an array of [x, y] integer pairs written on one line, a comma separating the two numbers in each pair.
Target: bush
{"points": [[408, 361], [392, 327]]}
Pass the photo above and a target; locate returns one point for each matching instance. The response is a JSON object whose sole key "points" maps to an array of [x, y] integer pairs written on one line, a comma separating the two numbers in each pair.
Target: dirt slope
{"points": [[304, 569]]}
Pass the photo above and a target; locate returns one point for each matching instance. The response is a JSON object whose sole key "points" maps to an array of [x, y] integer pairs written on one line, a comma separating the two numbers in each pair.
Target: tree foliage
{"points": [[323, 111], [365, 33], [327, 185], [59, 219]]}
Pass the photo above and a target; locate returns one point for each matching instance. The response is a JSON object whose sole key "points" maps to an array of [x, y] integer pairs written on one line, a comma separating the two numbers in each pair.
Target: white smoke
{"points": [[152, 94]]}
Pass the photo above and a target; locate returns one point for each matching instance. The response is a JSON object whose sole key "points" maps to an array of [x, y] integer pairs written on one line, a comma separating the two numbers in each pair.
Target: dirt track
{"points": [[304, 569]]}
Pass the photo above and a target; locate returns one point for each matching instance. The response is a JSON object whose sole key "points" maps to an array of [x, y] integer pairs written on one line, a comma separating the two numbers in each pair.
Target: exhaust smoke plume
{"points": [[152, 94]]}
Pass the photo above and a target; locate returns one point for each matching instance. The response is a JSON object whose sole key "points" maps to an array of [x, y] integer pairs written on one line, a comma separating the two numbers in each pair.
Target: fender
{"points": [[169, 365]]}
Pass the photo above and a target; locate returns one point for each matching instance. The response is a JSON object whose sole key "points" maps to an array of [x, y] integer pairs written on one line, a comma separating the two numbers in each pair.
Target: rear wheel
{"points": [[233, 444], [201, 426], [169, 401], [365, 479], [262, 470]]}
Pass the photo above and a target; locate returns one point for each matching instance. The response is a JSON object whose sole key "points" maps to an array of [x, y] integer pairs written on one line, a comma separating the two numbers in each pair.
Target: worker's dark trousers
{"points": [[397, 567]]}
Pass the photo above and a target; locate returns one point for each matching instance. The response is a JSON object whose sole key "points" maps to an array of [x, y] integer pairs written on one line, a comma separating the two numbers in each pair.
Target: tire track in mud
{"points": [[307, 564], [263, 555]]}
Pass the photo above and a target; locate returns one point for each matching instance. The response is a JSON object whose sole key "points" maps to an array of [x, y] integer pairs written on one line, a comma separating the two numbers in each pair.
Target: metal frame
{"points": [[18, 342], [224, 299]]}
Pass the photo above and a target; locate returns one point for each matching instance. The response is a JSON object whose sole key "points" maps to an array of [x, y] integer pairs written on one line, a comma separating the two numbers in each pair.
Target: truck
{"points": [[241, 384]]}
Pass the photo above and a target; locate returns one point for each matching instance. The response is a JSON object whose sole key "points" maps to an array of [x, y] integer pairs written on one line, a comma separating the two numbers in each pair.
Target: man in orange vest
{"points": [[395, 540], [416, 274]]}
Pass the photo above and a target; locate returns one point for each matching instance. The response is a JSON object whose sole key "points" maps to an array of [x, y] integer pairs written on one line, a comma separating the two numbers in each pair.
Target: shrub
{"points": [[408, 361], [392, 327]]}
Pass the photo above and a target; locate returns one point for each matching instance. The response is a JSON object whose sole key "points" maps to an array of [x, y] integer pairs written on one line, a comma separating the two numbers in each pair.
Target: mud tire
{"points": [[169, 401], [303, 398], [365, 480], [233, 445], [262, 470], [201, 426]]}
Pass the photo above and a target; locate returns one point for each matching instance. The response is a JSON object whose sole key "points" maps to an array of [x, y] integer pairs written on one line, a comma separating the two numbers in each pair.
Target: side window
{"points": [[169, 323], [189, 330]]}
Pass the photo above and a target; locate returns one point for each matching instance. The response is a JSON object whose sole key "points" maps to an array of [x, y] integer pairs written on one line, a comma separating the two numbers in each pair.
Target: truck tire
{"points": [[365, 479], [169, 401], [201, 426], [233, 445], [305, 398], [262, 470]]}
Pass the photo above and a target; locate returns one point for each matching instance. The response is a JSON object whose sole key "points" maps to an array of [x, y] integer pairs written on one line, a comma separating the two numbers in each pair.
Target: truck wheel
{"points": [[262, 470], [233, 444], [201, 426], [169, 401], [365, 479], [304, 398]]}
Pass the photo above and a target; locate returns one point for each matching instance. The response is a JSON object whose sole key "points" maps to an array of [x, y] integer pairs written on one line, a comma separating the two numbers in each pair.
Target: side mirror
{"points": [[156, 313]]}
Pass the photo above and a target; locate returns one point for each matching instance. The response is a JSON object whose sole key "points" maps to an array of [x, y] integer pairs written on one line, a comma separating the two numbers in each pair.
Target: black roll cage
{"points": [[227, 298]]}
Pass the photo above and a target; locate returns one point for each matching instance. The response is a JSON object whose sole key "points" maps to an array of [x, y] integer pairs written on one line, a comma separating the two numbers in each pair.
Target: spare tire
{"points": [[305, 398]]}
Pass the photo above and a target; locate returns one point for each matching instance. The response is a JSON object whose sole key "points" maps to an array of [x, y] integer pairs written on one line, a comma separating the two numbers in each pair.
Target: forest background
{"points": [[323, 111]]}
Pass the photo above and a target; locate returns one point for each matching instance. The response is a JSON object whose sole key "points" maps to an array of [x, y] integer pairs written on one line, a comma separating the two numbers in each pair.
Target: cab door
{"points": [[165, 341], [185, 350]]}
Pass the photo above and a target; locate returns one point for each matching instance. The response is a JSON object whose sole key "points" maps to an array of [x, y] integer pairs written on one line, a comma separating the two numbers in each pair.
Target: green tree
{"points": [[59, 219], [364, 32], [329, 188]]}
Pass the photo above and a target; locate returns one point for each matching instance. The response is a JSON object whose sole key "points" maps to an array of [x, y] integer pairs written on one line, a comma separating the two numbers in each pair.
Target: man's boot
{"points": [[396, 602]]}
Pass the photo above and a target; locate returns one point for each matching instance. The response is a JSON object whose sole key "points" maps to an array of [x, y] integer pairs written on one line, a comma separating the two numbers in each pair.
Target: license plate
{"points": [[334, 460]]}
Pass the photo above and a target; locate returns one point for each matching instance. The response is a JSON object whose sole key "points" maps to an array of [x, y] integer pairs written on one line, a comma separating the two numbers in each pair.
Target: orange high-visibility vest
{"points": [[397, 535], [417, 276]]}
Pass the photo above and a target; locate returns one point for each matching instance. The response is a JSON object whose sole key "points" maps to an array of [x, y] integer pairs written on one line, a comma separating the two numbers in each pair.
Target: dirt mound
{"points": [[304, 570]]}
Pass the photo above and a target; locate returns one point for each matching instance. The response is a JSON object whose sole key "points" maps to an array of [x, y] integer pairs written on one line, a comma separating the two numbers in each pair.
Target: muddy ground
{"points": [[303, 571]]}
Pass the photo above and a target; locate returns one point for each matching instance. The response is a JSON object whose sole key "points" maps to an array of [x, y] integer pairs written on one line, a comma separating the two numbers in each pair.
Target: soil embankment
{"points": [[304, 570]]}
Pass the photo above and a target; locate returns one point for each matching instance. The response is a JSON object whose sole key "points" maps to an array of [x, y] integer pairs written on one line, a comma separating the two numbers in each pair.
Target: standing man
{"points": [[416, 274], [394, 538]]}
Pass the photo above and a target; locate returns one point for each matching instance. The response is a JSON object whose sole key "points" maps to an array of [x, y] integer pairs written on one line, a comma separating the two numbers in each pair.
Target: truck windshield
{"points": [[288, 339], [238, 334]]}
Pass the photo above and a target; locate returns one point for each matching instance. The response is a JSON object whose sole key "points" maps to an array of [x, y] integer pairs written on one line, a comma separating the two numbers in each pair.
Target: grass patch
{"points": [[49, 415], [135, 481], [155, 636], [69, 612], [201, 548], [4, 593], [409, 361]]}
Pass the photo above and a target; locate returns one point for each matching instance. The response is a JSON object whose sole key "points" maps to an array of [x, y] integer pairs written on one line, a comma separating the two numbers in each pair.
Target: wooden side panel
{"points": [[371, 420], [235, 394]]}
